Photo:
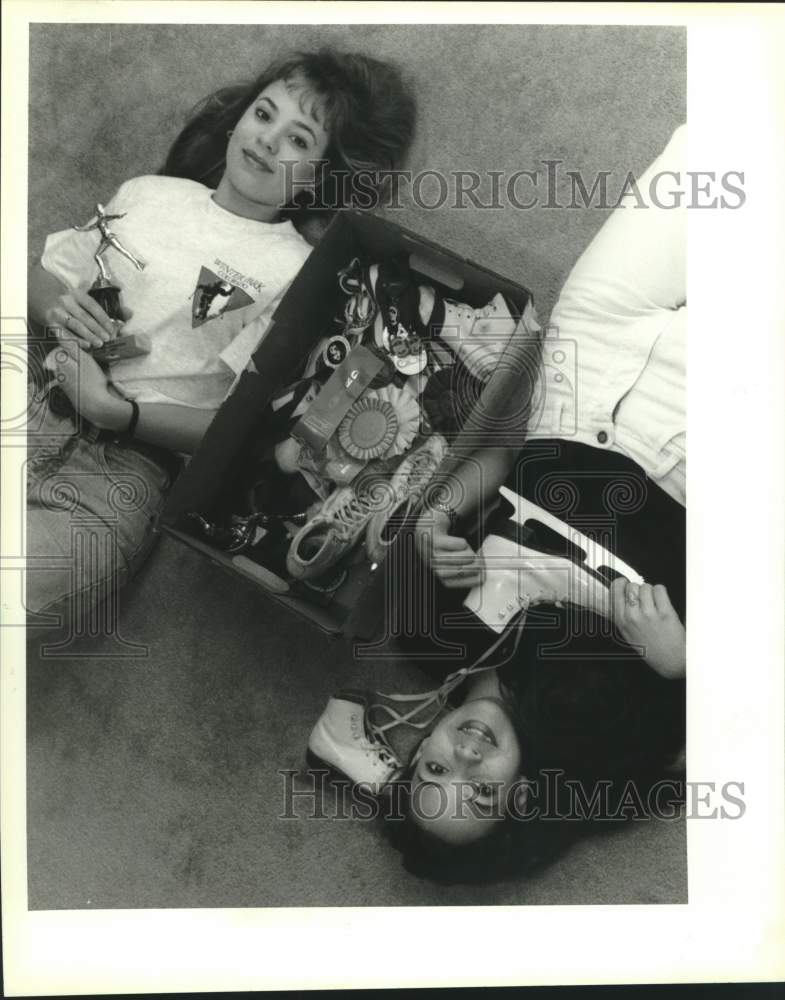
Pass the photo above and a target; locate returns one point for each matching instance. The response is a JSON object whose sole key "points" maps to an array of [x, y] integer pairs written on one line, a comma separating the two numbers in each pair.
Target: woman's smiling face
{"points": [[464, 771], [270, 153]]}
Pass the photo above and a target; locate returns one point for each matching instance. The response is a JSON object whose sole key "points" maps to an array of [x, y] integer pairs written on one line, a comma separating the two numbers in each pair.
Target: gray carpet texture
{"points": [[154, 754]]}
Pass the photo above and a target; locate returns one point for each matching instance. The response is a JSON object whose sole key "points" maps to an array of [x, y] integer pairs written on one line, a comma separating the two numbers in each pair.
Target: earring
{"points": [[520, 798]]}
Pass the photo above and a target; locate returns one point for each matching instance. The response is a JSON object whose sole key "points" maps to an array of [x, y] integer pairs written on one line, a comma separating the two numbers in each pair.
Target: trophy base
{"points": [[132, 345]]}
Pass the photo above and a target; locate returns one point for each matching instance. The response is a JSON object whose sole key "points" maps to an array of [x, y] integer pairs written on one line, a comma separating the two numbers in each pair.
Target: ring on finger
{"points": [[632, 597]]}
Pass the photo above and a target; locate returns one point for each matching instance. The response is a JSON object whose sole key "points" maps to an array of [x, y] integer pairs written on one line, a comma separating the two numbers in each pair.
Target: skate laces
{"points": [[436, 699], [380, 748], [461, 309], [376, 744], [423, 463], [354, 513]]}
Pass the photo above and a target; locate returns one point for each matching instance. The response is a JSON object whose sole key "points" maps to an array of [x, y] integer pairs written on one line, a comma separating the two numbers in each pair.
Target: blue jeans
{"points": [[91, 513]]}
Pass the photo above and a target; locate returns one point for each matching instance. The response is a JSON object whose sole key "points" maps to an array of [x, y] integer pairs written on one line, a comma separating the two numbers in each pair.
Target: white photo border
{"points": [[733, 926]]}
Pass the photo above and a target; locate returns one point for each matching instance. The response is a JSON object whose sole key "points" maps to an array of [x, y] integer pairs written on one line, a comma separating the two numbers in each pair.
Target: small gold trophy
{"points": [[107, 294]]}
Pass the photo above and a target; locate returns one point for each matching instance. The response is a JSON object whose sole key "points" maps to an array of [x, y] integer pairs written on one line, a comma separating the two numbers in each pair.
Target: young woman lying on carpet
{"points": [[592, 684], [203, 255]]}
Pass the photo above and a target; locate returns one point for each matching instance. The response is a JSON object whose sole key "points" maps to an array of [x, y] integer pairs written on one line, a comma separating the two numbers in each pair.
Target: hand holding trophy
{"points": [[107, 294]]}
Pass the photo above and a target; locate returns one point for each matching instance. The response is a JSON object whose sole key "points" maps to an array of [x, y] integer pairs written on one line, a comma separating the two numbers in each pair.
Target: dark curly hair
{"points": [[637, 729], [369, 112], [510, 850], [517, 846]]}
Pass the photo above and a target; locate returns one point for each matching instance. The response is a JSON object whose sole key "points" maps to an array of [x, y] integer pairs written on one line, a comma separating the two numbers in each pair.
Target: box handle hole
{"points": [[431, 269]]}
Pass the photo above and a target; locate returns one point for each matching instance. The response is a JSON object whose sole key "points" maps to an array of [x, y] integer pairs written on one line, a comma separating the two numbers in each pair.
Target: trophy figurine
{"points": [[107, 294]]}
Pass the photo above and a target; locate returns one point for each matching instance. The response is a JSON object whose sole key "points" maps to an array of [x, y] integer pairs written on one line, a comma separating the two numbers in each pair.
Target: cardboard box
{"points": [[304, 316]]}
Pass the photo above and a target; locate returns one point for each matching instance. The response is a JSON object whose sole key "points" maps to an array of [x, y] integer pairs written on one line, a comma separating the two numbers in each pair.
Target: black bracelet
{"points": [[131, 428]]}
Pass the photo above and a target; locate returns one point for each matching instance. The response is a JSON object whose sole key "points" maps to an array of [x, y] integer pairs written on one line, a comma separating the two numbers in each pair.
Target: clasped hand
{"points": [[86, 322], [87, 386], [83, 324], [452, 560], [645, 617]]}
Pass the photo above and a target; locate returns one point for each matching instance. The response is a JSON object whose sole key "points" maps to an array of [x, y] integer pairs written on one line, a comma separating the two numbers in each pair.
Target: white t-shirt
{"points": [[210, 284]]}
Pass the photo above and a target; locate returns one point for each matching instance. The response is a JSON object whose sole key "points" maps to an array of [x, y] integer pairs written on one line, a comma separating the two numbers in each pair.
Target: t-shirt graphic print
{"points": [[215, 296], [205, 298]]}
